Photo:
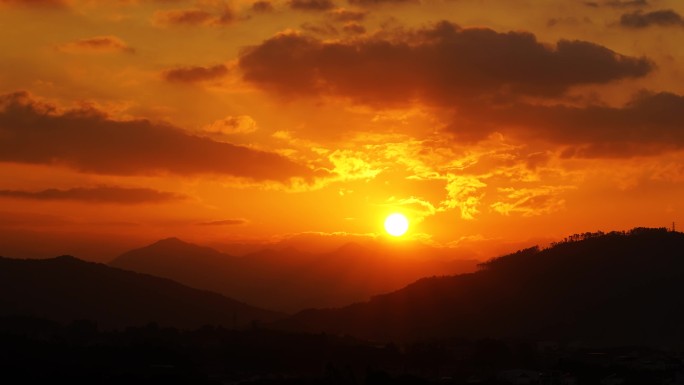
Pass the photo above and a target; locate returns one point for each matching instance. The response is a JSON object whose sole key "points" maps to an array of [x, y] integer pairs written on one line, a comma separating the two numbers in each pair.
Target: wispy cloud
{"points": [[225, 222], [97, 44], [101, 194]]}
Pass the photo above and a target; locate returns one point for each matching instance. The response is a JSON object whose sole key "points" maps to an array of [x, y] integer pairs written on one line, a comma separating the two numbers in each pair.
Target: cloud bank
{"points": [[88, 140], [103, 194]]}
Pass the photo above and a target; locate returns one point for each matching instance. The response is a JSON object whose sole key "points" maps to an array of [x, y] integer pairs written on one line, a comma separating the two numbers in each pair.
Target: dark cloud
{"points": [[37, 3], [484, 78], [354, 28], [647, 125], [103, 194], [225, 222], [262, 6], [323, 29], [183, 17], [97, 44], [440, 65], [617, 3], [194, 17], [568, 21], [88, 140], [225, 17], [312, 5], [346, 15], [195, 74], [663, 18], [372, 3], [626, 3]]}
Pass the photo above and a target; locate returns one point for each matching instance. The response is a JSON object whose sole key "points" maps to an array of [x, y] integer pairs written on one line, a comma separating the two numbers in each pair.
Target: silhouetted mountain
{"points": [[613, 289], [66, 289], [187, 263], [287, 279]]}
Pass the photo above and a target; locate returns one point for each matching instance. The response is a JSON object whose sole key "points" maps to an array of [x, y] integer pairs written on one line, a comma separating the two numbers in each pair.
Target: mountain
{"points": [[287, 279], [607, 289], [66, 289], [190, 264]]}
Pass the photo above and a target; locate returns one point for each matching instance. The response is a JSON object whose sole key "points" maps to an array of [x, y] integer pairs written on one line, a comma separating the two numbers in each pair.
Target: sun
{"points": [[396, 224]]}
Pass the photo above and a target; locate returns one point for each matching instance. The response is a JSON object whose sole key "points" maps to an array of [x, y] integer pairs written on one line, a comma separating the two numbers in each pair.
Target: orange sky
{"points": [[490, 123]]}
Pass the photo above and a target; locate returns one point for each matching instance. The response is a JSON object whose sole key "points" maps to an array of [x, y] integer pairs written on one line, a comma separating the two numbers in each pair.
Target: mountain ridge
{"points": [[288, 279], [615, 288], [67, 289]]}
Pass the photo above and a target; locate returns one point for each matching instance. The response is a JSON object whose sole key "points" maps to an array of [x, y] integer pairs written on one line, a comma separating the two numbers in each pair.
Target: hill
{"points": [[605, 289], [66, 289], [290, 280]]}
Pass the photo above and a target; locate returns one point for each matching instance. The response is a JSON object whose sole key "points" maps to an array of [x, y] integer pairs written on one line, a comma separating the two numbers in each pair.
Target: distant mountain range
{"points": [[620, 288], [291, 280], [67, 289], [607, 289]]}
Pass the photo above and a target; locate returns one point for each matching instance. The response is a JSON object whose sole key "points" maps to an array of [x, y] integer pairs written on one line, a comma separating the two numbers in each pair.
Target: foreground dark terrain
{"points": [[39, 351], [593, 309]]}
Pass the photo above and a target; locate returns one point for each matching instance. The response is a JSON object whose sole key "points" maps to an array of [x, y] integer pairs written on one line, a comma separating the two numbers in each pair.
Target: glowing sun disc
{"points": [[396, 225]]}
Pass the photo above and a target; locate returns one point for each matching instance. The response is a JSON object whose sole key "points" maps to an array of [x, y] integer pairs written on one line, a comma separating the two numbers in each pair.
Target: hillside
{"points": [[291, 280], [66, 289], [616, 288]]}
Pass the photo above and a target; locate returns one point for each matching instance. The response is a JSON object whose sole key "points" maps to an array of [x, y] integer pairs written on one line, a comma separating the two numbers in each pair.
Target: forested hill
{"points": [[608, 289], [66, 289]]}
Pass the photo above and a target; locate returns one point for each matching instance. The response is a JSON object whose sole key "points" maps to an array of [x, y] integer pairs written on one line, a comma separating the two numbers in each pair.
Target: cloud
{"points": [[311, 5], [182, 17], [97, 44], [195, 74], [418, 208], [649, 124], [37, 3], [194, 17], [262, 6], [626, 3], [530, 201], [438, 65], [352, 165], [373, 3], [324, 29], [662, 18], [347, 15], [225, 222], [465, 193], [88, 140], [354, 28], [231, 125], [103, 194], [481, 82]]}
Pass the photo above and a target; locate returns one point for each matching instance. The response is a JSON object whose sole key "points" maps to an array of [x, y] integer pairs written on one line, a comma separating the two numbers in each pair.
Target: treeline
{"points": [[525, 255], [589, 235]]}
